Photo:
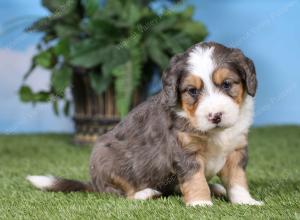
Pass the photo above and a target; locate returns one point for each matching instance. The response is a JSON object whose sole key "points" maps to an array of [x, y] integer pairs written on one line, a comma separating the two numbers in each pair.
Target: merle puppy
{"points": [[194, 129]]}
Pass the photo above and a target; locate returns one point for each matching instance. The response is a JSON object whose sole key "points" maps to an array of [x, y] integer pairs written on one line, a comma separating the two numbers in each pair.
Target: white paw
{"points": [[240, 195], [249, 201], [201, 203], [146, 194]]}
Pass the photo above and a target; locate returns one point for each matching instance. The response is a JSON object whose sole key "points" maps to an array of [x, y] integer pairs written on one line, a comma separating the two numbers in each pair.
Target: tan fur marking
{"points": [[193, 142], [220, 75], [192, 80], [124, 185], [232, 173], [196, 188], [190, 110], [188, 103], [237, 91], [240, 91]]}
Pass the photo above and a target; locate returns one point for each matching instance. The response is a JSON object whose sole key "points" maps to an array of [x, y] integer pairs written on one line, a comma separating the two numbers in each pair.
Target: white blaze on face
{"points": [[201, 64]]}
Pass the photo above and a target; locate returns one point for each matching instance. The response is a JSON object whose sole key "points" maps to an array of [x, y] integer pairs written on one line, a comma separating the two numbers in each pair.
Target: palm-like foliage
{"points": [[116, 42]]}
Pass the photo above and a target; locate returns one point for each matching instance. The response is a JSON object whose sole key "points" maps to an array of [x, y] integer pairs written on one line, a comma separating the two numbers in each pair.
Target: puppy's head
{"points": [[208, 84]]}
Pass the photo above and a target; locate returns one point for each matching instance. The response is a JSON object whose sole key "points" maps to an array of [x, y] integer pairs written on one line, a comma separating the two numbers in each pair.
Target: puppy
{"points": [[194, 129]]}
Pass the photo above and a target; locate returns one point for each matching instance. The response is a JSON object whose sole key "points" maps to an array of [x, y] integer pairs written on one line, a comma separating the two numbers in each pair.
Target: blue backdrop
{"points": [[267, 31]]}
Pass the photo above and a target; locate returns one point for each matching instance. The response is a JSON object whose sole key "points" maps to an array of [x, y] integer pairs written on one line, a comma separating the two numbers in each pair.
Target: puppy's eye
{"points": [[226, 85], [193, 92]]}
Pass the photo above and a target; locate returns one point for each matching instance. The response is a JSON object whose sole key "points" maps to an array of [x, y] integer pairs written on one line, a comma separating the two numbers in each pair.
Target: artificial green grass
{"points": [[273, 171]]}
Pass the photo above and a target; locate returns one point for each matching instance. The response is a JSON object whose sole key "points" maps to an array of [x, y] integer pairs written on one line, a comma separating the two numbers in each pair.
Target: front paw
{"points": [[249, 201], [240, 195], [201, 203]]}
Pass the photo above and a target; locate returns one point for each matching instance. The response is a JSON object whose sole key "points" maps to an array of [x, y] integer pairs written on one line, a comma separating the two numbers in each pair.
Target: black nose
{"points": [[215, 118]]}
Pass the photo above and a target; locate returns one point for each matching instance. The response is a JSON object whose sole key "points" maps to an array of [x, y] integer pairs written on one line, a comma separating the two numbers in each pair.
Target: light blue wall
{"points": [[16, 50], [267, 31]]}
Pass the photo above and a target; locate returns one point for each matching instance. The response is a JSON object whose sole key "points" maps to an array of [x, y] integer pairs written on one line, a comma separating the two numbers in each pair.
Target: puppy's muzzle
{"points": [[215, 118]]}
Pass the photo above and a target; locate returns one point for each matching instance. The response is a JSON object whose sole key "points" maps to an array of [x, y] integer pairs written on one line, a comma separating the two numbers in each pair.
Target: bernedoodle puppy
{"points": [[194, 129]]}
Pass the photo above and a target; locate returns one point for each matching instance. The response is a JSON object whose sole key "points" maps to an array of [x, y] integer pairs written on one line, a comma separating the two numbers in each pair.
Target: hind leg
{"points": [[217, 190]]}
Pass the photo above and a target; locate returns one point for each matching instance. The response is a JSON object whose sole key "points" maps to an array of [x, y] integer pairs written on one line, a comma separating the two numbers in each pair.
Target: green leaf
{"points": [[47, 38], [113, 8], [55, 107], [104, 30], [188, 12], [87, 60], [64, 31], [87, 53], [88, 56], [59, 6], [137, 60], [123, 87], [100, 82], [91, 6], [155, 52], [61, 79], [26, 94], [127, 79], [165, 23], [41, 25], [195, 31], [184, 41], [41, 96], [45, 59], [115, 57], [133, 13], [67, 107], [176, 43], [62, 48]]}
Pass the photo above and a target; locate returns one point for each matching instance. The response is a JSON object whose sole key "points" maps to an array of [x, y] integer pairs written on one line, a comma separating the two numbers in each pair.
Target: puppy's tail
{"points": [[55, 184]]}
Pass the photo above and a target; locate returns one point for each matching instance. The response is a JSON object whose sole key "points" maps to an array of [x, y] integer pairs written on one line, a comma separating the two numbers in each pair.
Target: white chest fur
{"points": [[222, 143], [214, 165]]}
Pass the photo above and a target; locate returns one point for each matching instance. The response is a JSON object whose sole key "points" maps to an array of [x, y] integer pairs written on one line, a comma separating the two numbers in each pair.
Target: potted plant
{"points": [[105, 53]]}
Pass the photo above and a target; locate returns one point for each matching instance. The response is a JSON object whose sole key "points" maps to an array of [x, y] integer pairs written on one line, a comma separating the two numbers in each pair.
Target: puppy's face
{"points": [[212, 82]]}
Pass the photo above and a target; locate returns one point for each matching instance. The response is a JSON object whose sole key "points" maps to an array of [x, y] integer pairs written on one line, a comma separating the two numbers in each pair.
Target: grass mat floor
{"points": [[273, 172]]}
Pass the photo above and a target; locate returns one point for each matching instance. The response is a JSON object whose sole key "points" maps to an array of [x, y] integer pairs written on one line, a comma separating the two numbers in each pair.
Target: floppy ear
{"points": [[251, 81], [247, 70], [170, 80]]}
